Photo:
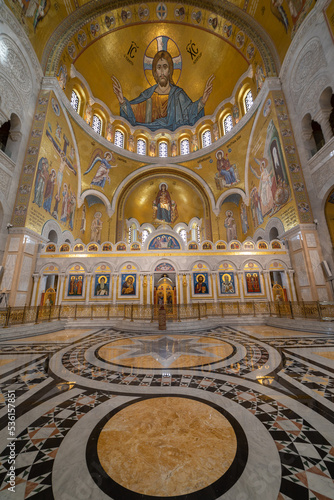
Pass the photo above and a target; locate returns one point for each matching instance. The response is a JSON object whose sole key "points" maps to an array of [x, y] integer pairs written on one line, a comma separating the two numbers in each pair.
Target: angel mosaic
{"points": [[265, 186], [102, 173]]}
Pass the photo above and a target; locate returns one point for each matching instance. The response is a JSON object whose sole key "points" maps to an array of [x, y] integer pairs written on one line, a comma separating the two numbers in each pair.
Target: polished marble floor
{"points": [[237, 413]]}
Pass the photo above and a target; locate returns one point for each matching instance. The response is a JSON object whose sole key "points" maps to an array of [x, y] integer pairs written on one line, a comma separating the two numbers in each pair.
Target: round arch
{"points": [[186, 194]]}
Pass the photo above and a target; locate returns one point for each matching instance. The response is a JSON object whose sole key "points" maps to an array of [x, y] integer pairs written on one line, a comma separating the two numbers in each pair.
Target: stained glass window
{"points": [[184, 147], [183, 234], [163, 149], [248, 100], [97, 124], [144, 235], [75, 101], [228, 124], [119, 139], [141, 147], [206, 139]]}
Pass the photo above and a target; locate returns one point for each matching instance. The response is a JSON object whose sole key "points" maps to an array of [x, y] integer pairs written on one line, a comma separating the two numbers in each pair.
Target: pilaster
{"points": [[214, 285], [241, 285], [306, 257], [19, 265], [266, 277], [88, 287], [61, 288]]}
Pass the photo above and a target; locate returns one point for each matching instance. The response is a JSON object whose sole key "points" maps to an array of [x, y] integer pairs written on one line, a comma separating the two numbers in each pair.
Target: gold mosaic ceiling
{"points": [[110, 56], [105, 37]]}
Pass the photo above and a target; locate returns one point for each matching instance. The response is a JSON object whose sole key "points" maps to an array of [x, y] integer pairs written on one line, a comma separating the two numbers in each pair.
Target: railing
{"points": [[12, 316]]}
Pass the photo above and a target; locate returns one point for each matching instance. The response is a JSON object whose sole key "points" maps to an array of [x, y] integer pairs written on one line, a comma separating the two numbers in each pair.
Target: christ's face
{"points": [[162, 72]]}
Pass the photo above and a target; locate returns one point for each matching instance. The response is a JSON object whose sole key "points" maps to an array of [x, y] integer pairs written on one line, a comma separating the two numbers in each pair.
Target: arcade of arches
{"points": [[160, 156]]}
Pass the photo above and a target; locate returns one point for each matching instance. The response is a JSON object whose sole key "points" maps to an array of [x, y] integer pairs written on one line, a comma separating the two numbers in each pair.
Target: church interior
{"points": [[166, 249]]}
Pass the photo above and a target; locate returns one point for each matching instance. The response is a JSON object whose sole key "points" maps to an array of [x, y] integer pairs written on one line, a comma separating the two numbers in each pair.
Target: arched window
{"points": [[144, 235], [206, 139], [119, 139], [163, 149], [97, 124], [75, 100], [228, 124], [132, 234], [141, 147], [184, 147], [183, 234], [195, 233], [248, 100]]}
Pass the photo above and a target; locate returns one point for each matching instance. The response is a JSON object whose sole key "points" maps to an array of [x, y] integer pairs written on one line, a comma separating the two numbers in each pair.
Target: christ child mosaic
{"points": [[128, 284]]}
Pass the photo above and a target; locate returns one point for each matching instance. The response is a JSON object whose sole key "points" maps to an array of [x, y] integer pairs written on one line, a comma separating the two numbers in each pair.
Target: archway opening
{"points": [[317, 134], [331, 116], [4, 134], [273, 233], [53, 237]]}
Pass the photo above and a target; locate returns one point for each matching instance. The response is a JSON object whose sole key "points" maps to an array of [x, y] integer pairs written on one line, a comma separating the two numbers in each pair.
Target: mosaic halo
{"points": [[167, 44]]}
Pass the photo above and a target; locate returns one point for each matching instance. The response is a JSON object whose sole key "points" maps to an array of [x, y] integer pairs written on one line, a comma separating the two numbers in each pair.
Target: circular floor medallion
{"points": [[167, 447], [165, 351]]}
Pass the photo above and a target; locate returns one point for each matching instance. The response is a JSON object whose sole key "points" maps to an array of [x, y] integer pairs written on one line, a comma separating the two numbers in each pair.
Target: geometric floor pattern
{"points": [[276, 391]]}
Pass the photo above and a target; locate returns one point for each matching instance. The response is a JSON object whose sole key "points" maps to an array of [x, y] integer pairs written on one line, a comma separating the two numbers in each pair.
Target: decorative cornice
{"points": [[297, 229], [27, 232]]}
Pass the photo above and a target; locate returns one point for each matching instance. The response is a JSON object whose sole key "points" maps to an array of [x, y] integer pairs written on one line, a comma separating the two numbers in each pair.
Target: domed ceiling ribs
{"points": [[90, 11]]}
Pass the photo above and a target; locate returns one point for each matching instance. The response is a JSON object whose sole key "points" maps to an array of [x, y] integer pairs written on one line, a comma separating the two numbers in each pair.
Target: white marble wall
{"points": [[19, 87], [307, 71]]}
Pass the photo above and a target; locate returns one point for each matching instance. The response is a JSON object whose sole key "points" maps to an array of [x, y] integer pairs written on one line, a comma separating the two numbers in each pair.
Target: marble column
{"points": [[185, 289], [61, 289], [322, 117], [241, 286], [114, 287], [309, 142], [145, 286], [35, 278], [266, 276], [141, 289], [188, 287], [41, 288], [291, 282], [214, 285], [88, 287]]}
